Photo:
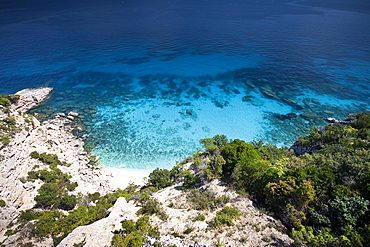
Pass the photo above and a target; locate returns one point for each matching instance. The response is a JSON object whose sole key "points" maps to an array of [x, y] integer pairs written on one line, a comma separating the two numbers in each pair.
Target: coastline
{"points": [[122, 177], [55, 137]]}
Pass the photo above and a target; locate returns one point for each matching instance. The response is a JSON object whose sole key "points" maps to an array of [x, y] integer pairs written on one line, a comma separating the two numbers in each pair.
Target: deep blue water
{"points": [[150, 78]]}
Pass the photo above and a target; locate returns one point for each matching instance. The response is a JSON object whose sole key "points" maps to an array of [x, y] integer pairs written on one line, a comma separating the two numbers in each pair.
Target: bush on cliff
{"points": [[133, 234], [160, 178], [321, 196], [8, 99]]}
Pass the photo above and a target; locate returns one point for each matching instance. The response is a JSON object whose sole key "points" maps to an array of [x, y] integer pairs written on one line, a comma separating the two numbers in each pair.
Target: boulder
{"points": [[30, 98]]}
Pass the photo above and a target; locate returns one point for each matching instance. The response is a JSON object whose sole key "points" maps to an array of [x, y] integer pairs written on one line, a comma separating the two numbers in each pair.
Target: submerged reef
{"points": [[117, 111]]}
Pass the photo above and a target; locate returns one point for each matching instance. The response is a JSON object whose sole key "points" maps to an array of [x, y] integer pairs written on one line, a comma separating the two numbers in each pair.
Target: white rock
{"points": [[100, 232]]}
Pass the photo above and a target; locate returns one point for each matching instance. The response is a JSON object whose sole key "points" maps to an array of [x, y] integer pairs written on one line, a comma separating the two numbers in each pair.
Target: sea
{"points": [[150, 78]]}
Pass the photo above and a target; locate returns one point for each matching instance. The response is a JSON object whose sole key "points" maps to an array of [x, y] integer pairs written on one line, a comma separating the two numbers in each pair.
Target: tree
{"points": [[48, 195], [160, 178], [347, 210], [237, 152]]}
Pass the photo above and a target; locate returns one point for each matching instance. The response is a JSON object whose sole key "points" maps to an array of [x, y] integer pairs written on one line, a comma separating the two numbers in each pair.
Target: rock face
{"points": [[100, 232], [249, 230], [52, 137], [30, 98]]}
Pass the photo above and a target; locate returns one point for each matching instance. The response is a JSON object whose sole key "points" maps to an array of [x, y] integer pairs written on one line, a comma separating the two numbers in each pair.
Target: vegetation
{"points": [[190, 180], [53, 194], [201, 200], [226, 217], [199, 218], [8, 124], [6, 99], [152, 207], [321, 193], [53, 223], [160, 178], [319, 189], [133, 234]]}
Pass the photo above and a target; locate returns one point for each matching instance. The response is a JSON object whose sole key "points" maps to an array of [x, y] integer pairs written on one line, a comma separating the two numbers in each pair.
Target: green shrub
{"points": [[95, 196], [157, 244], [218, 141], [198, 161], [50, 159], [67, 202], [141, 197], [347, 210], [190, 180], [51, 196], [50, 176], [10, 121], [48, 195], [4, 101], [28, 215], [133, 233], [128, 226], [187, 231], [2, 203], [238, 152], [226, 216], [71, 186], [4, 140], [9, 232], [214, 168], [134, 239], [265, 239], [160, 178], [35, 155], [151, 207], [199, 218], [149, 190], [201, 200], [32, 175]]}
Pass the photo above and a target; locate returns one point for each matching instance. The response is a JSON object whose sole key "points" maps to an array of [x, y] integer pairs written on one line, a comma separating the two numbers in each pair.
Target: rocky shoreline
{"points": [[55, 137]]}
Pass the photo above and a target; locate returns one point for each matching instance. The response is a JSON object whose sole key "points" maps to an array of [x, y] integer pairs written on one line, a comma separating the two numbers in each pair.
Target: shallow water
{"points": [[151, 79]]}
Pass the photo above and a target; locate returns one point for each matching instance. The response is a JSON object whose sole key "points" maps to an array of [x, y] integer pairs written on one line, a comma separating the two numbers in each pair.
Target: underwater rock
{"points": [[266, 90], [250, 83], [290, 102], [309, 116], [189, 112], [155, 116], [329, 112], [247, 98], [306, 102], [257, 102], [284, 117], [221, 104], [206, 129]]}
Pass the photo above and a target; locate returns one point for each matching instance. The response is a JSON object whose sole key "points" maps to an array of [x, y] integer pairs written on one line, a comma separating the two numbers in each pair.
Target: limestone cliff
{"points": [[54, 137]]}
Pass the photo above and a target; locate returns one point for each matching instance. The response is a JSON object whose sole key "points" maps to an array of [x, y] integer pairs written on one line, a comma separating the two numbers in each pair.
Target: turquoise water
{"points": [[150, 79]]}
